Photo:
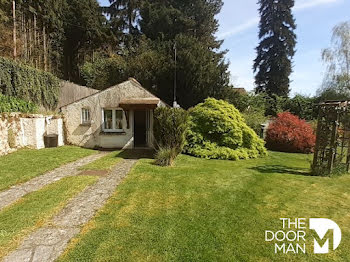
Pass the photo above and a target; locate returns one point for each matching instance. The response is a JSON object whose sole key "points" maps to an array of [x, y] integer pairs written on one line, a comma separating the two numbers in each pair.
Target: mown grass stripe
{"points": [[35, 209]]}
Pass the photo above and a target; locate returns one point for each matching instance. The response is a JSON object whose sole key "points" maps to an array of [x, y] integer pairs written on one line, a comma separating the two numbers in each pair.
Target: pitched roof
{"points": [[131, 80]]}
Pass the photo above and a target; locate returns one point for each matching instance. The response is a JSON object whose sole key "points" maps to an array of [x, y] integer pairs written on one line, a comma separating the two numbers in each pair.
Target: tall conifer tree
{"points": [[276, 49]]}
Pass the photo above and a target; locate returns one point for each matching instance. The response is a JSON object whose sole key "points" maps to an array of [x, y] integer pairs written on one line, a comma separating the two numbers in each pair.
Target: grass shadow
{"points": [[136, 154], [280, 169]]}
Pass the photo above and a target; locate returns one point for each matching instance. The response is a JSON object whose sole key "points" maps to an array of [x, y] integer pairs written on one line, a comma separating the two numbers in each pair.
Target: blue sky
{"points": [[315, 20]]}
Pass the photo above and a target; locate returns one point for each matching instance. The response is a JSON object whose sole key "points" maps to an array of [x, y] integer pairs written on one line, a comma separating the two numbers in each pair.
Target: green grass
{"points": [[210, 210], [26, 164], [104, 163], [35, 209]]}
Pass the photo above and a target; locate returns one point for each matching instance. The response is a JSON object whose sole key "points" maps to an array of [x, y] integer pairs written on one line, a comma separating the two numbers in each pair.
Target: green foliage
{"points": [[302, 106], [201, 69], [165, 156], [170, 126], [276, 48], [85, 31], [11, 104], [254, 118], [336, 83], [218, 130], [28, 83], [250, 105], [123, 14], [104, 72]]}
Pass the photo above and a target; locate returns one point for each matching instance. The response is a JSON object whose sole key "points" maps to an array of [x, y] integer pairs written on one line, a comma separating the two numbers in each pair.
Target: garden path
{"points": [[49, 242], [11, 195]]}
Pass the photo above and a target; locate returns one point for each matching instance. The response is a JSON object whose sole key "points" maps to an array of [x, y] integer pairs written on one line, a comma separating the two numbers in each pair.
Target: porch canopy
{"points": [[139, 103]]}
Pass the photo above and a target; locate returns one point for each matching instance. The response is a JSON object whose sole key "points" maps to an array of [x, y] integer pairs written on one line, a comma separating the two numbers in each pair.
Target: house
{"points": [[118, 117]]}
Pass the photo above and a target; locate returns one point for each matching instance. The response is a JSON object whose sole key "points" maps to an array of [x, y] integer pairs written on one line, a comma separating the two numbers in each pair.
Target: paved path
{"points": [[13, 194], [49, 242]]}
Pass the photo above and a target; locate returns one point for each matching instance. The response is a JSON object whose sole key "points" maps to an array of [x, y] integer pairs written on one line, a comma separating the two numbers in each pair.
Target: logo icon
{"points": [[322, 226]]}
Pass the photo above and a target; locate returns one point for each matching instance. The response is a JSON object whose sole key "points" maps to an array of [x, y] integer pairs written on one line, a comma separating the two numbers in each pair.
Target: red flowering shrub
{"points": [[288, 133]]}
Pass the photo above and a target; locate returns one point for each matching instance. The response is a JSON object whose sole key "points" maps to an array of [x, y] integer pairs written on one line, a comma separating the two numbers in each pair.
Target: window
{"points": [[113, 120], [85, 116]]}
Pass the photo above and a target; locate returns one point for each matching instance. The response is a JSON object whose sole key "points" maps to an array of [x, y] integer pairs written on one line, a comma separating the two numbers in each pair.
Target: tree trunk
{"points": [[45, 48], [14, 29]]}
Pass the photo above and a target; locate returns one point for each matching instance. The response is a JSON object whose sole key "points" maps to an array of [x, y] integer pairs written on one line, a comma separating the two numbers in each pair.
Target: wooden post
{"points": [[318, 137], [333, 144], [14, 29]]}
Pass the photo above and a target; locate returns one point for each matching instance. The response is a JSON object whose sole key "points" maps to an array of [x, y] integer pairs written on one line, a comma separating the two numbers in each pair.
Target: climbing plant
{"points": [[28, 83], [10, 104]]}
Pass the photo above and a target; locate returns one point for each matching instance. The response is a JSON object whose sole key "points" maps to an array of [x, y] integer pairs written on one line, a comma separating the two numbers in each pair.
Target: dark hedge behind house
{"points": [[28, 83]]}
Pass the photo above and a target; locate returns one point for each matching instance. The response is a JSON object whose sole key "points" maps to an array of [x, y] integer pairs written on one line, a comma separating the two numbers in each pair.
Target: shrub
{"points": [[288, 133], [11, 104], [165, 156], [218, 131], [170, 125], [28, 83], [254, 118]]}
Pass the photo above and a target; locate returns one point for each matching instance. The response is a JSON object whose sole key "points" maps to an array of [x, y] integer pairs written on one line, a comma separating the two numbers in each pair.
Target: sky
{"points": [[314, 18]]}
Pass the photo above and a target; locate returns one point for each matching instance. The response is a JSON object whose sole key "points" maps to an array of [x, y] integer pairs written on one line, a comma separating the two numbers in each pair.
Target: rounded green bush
{"points": [[218, 131]]}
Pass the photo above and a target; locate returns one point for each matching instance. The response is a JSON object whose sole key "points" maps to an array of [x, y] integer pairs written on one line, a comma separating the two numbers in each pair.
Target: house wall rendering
{"points": [[98, 121]]}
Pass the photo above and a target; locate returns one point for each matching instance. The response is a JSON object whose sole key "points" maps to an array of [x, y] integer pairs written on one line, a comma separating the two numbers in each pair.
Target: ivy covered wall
{"points": [[28, 83]]}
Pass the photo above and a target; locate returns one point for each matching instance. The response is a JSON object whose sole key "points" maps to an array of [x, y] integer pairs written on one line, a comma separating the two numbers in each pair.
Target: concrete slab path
{"points": [[49, 242], [11, 195]]}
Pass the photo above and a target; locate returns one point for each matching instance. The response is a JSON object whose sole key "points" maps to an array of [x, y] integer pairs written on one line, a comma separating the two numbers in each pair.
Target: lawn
{"points": [[211, 210], [26, 164], [104, 163], [35, 209]]}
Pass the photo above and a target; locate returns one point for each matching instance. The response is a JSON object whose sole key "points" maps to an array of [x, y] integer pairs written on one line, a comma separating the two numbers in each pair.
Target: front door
{"points": [[140, 129]]}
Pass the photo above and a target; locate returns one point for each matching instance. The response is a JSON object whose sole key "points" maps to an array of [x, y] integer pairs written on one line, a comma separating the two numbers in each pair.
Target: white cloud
{"points": [[301, 5], [253, 22], [240, 28]]}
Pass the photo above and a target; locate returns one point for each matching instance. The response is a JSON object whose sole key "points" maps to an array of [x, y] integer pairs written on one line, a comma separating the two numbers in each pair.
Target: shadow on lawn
{"points": [[136, 154], [269, 169]]}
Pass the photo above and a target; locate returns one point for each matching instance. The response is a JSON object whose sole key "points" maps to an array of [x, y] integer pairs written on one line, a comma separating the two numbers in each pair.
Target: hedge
{"points": [[28, 83], [10, 104]]}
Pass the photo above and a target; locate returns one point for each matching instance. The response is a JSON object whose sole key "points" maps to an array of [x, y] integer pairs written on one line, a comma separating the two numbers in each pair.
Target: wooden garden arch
{"points": [[332, 138]]}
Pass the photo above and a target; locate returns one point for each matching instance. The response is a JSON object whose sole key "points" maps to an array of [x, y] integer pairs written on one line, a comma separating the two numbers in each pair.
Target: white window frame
{"points": [[84, 112], [114, 114]]}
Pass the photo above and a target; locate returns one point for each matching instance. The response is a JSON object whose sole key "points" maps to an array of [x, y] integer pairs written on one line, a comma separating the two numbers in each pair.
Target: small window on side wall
{"points": [[85, 116]]}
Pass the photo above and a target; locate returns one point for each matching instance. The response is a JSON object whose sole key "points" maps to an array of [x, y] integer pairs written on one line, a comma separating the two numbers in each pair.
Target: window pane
{"points": [[85, 115], [108, 119], [119, 119]]}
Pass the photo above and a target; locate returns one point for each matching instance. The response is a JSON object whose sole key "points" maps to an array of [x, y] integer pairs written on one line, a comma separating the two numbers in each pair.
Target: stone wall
{"points": [[23, 130]]}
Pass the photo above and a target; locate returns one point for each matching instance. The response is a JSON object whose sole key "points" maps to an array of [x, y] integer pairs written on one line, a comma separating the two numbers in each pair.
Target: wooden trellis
{"points": [[333, 138]]}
